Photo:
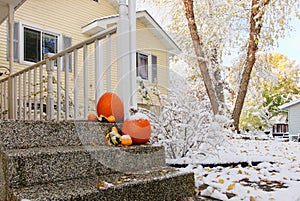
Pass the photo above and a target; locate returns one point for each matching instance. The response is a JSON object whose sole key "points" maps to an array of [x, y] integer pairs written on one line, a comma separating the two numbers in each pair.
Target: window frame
{"points": [[24, 25], [148, 54]]}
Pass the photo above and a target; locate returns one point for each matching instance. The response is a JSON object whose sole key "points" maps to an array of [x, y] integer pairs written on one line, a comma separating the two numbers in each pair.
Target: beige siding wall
{"points": [[67, 17], [148, 43]]}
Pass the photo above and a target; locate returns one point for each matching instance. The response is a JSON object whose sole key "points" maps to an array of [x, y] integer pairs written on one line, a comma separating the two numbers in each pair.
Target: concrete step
{"points": [[26, 167], [155, 185], [23, 134]]}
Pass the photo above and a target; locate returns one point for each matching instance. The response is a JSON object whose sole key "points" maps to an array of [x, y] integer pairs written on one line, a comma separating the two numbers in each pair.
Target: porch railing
{"points": [[65, 85]]}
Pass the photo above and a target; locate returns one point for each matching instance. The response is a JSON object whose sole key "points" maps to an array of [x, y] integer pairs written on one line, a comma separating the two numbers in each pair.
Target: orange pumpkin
{"points": [[126, 140], [138, 129], [92, 117], [110, 104]]}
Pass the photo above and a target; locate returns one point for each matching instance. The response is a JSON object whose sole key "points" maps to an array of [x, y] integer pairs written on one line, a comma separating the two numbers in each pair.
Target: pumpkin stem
{"points": [[133, 111]]}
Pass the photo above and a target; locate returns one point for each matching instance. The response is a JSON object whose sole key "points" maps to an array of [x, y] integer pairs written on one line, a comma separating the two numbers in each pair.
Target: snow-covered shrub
{"points": [[186, 125]]}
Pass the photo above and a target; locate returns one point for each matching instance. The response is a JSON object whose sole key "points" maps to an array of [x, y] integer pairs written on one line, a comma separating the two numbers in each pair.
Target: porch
{"points": [[59, 87]]}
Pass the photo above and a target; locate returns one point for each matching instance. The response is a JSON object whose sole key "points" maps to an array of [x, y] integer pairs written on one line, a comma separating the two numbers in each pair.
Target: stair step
{"points": [[40, 165], [22, 134], [160, 184]]}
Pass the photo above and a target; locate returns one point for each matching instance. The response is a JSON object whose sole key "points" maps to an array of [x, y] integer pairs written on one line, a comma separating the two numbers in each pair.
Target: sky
{"points": [[290, 46]]}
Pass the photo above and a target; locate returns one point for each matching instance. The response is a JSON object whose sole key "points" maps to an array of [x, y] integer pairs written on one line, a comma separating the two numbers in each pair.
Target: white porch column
{"points": [[132, 32], [123, 58], [11, 100]]}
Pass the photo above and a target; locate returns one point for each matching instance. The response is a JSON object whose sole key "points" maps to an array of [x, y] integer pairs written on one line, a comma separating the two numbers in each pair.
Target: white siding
{"points": [[294, 119]]}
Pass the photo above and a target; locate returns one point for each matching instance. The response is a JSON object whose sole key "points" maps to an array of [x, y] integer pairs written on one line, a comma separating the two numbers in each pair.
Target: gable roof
{"points": [[4, 7], [100, 24], [290, 104]]}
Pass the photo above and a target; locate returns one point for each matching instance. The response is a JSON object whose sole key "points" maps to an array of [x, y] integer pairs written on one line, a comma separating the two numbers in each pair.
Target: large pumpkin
{"points": [[110, 104], [138, 128]]}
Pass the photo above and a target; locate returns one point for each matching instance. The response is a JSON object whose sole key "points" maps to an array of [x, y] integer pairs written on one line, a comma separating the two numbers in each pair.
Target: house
{"points": [[67, 53], [293, 109]]}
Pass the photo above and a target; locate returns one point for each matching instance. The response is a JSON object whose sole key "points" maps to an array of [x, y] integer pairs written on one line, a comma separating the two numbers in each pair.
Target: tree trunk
{"points": [[189, 13], [255, 28]]}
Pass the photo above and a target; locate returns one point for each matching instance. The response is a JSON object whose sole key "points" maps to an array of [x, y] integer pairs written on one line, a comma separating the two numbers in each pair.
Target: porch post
{"points": [[123, 58], [11, 100], [132, 32]]}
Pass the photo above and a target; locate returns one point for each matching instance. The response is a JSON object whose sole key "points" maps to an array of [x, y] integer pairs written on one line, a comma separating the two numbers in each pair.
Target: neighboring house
{"points": [[293, 109], [44, 26]]}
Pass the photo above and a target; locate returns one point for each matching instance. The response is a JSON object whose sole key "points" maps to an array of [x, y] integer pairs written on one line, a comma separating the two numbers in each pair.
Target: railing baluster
{"points": [[50, 99], [14, 81], [99, 70], [20, 97], [67, 86], [24, 95], [5, 102], [34, 93], [108, 62], [41, 91], [29, 95], [75, 84], [85, 79], [58, 104], [1, 105], [1, 100]]}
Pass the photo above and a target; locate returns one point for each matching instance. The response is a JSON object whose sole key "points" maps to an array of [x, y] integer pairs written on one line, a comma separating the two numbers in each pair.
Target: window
{"points": [[142, 66], [146, 66], [32, 43], [37, 44]]}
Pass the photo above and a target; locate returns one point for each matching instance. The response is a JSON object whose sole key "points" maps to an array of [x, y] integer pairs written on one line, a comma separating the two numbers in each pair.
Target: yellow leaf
{"points": [[272, 199], [221, 181], [240, 172], [231, 186], [252, 198]]}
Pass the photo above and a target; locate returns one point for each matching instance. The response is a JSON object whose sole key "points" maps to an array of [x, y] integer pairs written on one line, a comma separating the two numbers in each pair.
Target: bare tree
{"points": [[256, 16]]}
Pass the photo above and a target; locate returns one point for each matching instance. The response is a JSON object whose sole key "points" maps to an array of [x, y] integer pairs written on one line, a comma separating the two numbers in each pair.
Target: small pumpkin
{"points": [[126, 140], [138, 127], [92, 117], [109, 104]]}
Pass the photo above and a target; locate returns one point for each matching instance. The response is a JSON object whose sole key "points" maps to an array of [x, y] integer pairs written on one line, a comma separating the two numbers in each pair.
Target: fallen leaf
{"points": [[252, 198], [240, 172], [231, 186], [221, 181], [102, 185]]}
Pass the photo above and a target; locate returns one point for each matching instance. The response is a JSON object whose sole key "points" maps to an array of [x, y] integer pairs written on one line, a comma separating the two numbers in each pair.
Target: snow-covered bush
{"points": [[186, 125]]}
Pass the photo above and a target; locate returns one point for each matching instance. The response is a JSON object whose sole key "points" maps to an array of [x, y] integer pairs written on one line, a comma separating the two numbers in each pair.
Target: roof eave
{"points": [[173, 48]]}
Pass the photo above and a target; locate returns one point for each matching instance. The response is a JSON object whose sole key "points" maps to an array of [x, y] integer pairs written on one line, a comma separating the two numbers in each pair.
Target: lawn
{"points": [[255, 170]]}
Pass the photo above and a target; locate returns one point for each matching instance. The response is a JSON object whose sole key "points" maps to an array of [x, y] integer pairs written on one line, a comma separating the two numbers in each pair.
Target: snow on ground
{"points": [[277, 177]]}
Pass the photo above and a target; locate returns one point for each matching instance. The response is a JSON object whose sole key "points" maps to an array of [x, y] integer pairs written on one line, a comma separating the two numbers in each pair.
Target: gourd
{"points": [[126, 140]]}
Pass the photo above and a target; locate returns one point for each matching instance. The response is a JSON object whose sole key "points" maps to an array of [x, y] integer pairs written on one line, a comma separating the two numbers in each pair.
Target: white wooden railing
{"points": [[49, 85]]}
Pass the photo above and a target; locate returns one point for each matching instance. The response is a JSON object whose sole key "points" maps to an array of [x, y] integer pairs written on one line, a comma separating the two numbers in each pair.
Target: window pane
{"points": [[142, 62], [49, 44], [32, 46]]}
